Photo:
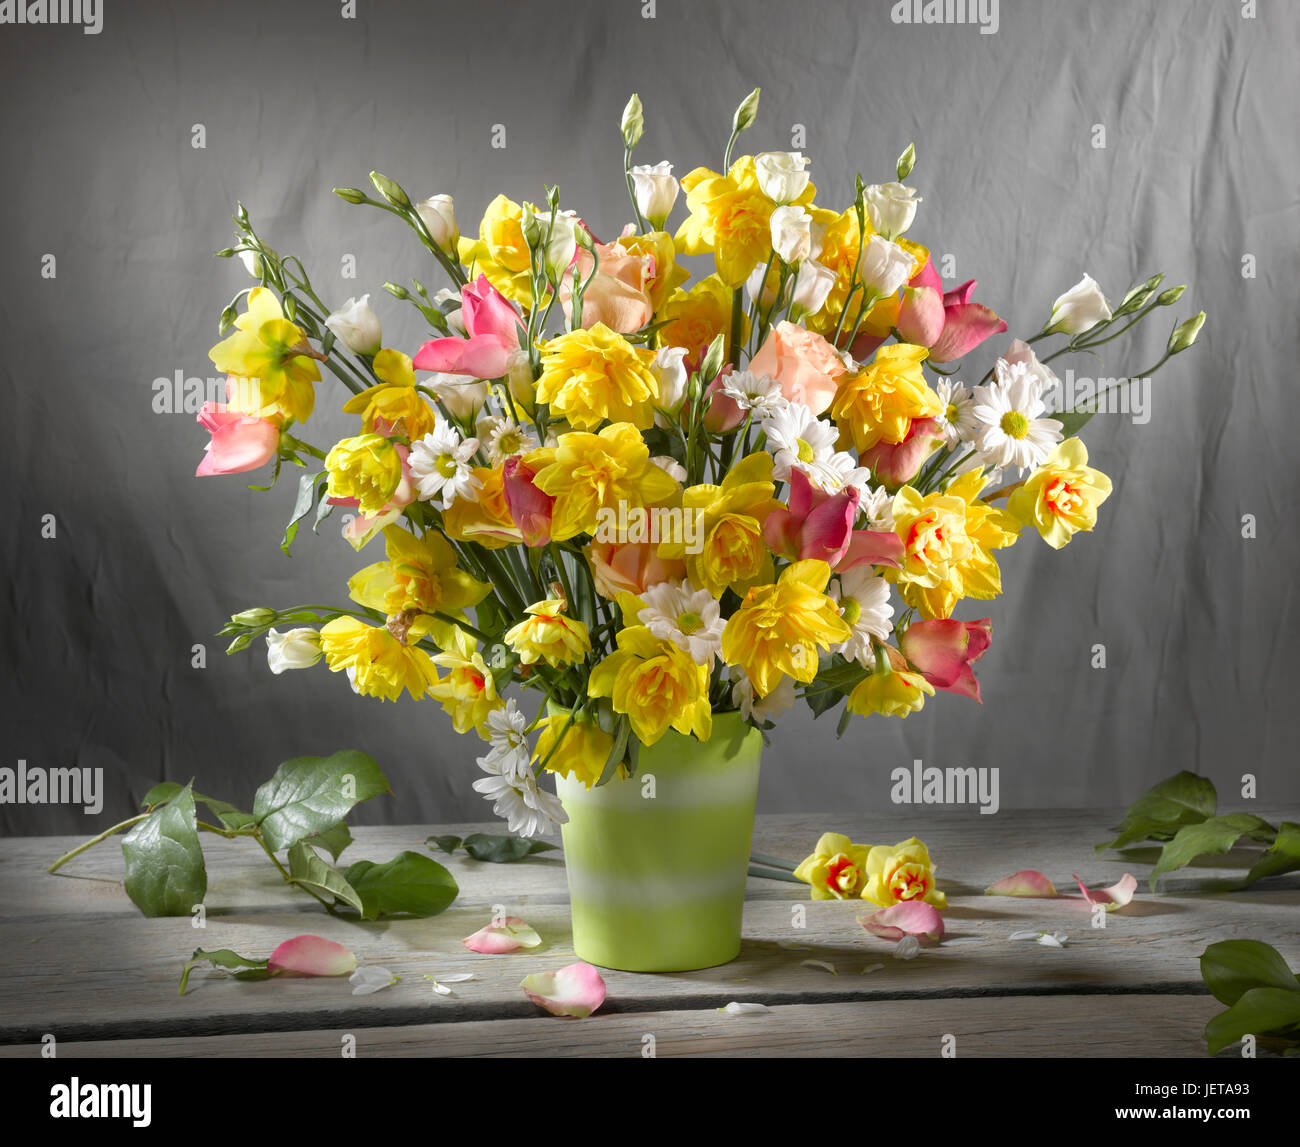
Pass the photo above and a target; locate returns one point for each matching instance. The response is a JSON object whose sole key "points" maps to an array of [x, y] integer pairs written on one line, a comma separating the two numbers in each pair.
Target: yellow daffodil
{"points": [[730, 217], [948, 539], [656, 685], [382, 665], [879, 402], [583, 751], [901, 872], [732, 553], [420, 574], [395, 402], [694, 318], [548, 635], [779, 628], [586, 473], [267, 347], [1061, 497], [837, 868], [891, 692], [483, 516], [500, 251], [367, 468], [468, 692], [668, 274], [590, 376]]}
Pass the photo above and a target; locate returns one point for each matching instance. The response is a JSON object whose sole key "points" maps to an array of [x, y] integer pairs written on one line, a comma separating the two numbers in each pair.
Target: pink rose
{"points": [[805, 364], [619, 295]]}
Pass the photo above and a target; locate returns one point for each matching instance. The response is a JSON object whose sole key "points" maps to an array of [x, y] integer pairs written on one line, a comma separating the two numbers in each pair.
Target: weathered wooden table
{"points": [[78, 962]]}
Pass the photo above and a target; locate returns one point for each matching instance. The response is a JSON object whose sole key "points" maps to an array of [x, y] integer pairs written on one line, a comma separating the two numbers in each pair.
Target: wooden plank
{"points": [[1055, 1027]]}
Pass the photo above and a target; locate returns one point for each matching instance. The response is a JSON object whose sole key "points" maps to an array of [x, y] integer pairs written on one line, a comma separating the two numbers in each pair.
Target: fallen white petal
{"points": [[822, 964], [1026, 935], [908, 948], [870, 968], [736, 1009], [963, 940], [369, 978], [792, 946], [1053, 939]]}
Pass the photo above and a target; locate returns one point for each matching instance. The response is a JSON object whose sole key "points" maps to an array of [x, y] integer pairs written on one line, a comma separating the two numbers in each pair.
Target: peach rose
{"points": [[630, 567], [805, 364], [619, 295]]}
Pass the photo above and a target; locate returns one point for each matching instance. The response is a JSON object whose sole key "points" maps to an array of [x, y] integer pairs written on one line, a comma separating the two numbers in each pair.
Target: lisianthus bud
{"points": [[1185, 333], [811, 287], [356, 325], [253, 618], [656, 191], [670, 372], [884, 266], [791, 234], [297, 649], [1080, 309], [1171, 296], [563, 243], [439, 215], [782, 174], [891, 208]]}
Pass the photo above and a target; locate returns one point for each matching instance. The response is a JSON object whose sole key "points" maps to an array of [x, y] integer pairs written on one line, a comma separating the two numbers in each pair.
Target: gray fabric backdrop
{"points": [[1198, 170]]}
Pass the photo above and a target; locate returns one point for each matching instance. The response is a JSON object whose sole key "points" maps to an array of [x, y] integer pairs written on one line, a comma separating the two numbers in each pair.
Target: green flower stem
{"points": [[772, 861], [774, 874], [285, 873], [737, 321], [94, 840], [465, 625]]}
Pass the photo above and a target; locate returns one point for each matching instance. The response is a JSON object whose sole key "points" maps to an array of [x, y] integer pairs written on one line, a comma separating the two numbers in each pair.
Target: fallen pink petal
{"points": [[574, 991], [910, 918], [1027, 882], [311, 956], [1116, 896], [506, 934]]}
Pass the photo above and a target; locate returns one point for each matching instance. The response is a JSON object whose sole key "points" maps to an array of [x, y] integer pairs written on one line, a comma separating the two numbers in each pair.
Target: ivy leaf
{"points": [[165, 875], [312, 794], [447, 844], [410, 884], [1231, 968], [332, 840], [1284, 856], [228, 814], [309, 870], [503, 849], [241, 967], [1161, 811], [822, 700], [1259, 1011], [1209, 838]]}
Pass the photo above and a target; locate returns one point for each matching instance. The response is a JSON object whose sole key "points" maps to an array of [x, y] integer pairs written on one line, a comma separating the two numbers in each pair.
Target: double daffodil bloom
{"points": [[656, 685], [468, 692], [837, 868], [393, 405], [269, 348], [381, 665], [1061, 497], [548, 635], [590, 376], [420, 575], [583, 751]]}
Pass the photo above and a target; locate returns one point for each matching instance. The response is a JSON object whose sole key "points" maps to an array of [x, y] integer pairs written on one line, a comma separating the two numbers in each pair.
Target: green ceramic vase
{"points": [[657, 864]]}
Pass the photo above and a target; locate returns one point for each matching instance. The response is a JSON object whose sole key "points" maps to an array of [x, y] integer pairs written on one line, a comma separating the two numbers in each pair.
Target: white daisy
{"points": [[508, 740], [958, 415], [505, 438], [877, 505], [799, 440], [441, 464], [863, 599], [754, 392], [511, 784], [690, 619], [763, 708], [1008, 411], [843, 472]]}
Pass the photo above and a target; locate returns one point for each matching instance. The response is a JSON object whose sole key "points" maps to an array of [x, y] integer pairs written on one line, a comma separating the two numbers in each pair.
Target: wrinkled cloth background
{"points": [[1199, 169]]}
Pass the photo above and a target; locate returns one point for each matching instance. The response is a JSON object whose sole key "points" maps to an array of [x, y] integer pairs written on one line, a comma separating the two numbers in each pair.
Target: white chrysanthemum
{"points": [[670, 466], [843, 472], [799, 440], [958, 415], [690, 619], [506, 438], [864, 604], [442, 464], [764, 708], [1008, 411], [511, 784], [877, 506], [754, 392]]}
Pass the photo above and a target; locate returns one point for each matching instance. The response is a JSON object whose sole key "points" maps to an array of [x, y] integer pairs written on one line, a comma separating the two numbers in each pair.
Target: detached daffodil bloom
{"points": [[548, 635], [656, 685], [1061, 497], [779, 629], [583, 751], [394, 405], [901, 872], [837, 869], [381, 665], [269, 348], [420, 575]]}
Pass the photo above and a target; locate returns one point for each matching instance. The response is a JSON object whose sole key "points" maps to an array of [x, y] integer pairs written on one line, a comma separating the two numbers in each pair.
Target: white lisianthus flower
{"points": [[884, 266], [791, 234], [758, 281], [798, 440], [441, 463], [958, 414], [1012, 431], [670, 372], [439, 215], [655, 189], [812, 285], [891, 208], [690, 619], [297, 649], [764, 708], [463, 397], [863, 598], [782, 175], [754, 392], [356, 326], [1080, 309], [670, 466], [559, 252]]}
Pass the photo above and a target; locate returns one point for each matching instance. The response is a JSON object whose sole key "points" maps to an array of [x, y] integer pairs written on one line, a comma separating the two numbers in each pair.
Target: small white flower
{"points": [[690, 619], [670, 372], [958, 415], [791, 229], [511, 784], [297, 649], [843, 472], [883, 266], [370, 978], [864, 604], [877, 506], [670, 466], [1008, 411], [891, 208], [356, 326], [656, 190], [755, 392], [761, 709], [508, 740], [1080, 309], [439, 215], [782, 175], [799, 440], [442, 463], [505, 439], [812, 285]]}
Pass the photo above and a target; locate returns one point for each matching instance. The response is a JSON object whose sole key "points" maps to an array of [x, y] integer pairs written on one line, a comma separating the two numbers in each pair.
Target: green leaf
{"points": [[822, 700], [503, 849], [1259, 1011], [842, 725], [1209, 838], [1161, 811], [332, 840], [1231, 968], [410, 884], [1284, 856], [228, 814], [447, 844], [311, 794], [309, 870], [241, 967], [165, 875], [301, 507], [161, 793]]}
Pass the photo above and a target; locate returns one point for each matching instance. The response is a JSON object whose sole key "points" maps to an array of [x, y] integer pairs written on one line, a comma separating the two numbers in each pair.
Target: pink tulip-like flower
{"points": [[907, 918], [507, 934], [722, 413], [619, 295], [239, 441], [492, 328], [943, 651], [574, 991], [630, 567], [311, 956], [1116, 896], [1028, 882], [530, 508], [805, 364], [946, 322], [819, 525], [897, 464]]}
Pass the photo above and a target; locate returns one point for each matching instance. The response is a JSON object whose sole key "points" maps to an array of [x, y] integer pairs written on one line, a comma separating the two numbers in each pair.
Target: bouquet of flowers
{"points": [[648, 501]]}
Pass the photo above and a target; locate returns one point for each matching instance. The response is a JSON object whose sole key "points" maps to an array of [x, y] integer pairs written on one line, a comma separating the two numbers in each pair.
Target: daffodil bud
{"points": [[1185, 333]]}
